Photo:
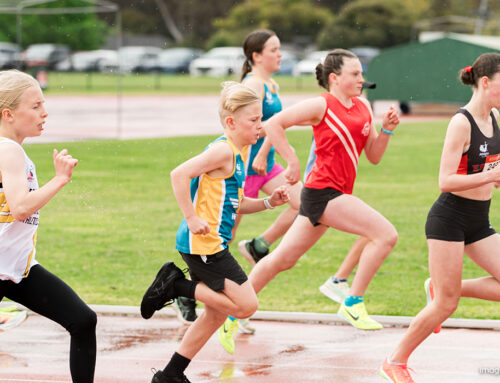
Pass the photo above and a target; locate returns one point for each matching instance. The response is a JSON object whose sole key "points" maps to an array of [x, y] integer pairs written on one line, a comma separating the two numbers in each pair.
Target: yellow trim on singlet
{"points": [[5, 214], [27, 270]]}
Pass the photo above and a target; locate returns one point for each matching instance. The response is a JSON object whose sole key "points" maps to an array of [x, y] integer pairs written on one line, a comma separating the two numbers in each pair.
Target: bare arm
{"points": [[307, 112], [377, 143], [218, 162], [279, 197], [454, 143], [22, 202]]}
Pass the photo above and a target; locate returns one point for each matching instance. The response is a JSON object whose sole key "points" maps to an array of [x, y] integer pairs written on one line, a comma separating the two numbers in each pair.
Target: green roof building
{"points": [[427, 71]]}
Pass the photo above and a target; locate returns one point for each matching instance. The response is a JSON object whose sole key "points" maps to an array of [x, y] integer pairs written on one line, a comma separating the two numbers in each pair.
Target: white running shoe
{"points": [[11, 317], [246, 327], [337, 292]]}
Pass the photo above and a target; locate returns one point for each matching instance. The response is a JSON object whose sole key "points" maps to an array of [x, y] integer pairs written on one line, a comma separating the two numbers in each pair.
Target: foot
{"points": [[396, 373], [358, 317], [246, 326], [429, 293], [11, 317], [337, 292], [160, 377], [161, 292], [186, 309], [227, 333], [247, 249]]}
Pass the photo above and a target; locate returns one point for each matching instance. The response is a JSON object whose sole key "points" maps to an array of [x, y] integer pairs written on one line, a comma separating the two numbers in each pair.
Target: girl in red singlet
{"points": [[343, 126]]}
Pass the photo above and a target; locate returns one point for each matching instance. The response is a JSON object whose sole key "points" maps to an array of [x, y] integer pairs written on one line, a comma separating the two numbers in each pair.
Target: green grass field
{"points": [[109, 230], [98, 83]]}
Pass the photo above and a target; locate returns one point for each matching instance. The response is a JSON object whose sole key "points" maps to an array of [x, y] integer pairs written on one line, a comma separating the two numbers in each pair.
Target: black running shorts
{"points": [[313, 202], [213, 269], [457, 219]]}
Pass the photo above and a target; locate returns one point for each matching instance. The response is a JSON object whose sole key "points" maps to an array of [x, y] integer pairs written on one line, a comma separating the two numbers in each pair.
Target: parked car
{"points": [[87, 61], [221, 61], [288, 62], [131, 59], [9, 55], [44, 55], [174, 60], [307, 66]]}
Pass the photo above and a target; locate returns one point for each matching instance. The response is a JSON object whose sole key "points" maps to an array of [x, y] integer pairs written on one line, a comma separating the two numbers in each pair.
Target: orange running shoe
{"points": [[396, 373], [429, 292]]}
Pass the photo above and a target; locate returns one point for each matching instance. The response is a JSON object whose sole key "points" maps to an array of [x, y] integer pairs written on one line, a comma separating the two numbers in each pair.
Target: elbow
{"points": [[20, 214], [444, 186]]}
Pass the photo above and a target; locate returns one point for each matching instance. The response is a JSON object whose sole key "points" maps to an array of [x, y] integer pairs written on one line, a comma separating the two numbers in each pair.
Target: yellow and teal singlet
{"points": [[216, 200]]}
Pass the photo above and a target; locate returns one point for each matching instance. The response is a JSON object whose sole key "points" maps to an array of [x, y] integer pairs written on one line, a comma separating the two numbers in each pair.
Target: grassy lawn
{"points": [[109, 231], [98, 83]]}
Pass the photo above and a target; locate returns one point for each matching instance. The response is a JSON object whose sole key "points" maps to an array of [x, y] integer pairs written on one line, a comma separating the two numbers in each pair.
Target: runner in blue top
{"points": [[263, 58]]}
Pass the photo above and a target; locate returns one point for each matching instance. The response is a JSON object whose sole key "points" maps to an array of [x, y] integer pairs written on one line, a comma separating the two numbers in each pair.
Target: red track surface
{"points": [[128, 347]]}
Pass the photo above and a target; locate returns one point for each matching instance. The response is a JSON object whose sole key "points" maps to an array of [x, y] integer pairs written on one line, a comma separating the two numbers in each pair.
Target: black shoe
{"points": [[186, 309], [161, 292], [159, 377], [256, 255]]}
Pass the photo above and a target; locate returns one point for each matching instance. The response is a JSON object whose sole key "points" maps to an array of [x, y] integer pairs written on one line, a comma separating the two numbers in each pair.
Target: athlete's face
{"points": [[350, 80], [248, 123], [270, 57], [493, 90], [30, 114]]}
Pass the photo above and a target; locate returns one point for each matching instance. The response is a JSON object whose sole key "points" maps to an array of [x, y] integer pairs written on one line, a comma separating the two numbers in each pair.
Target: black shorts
{"points": [[213, 269], [313, 202], [457, 219]]}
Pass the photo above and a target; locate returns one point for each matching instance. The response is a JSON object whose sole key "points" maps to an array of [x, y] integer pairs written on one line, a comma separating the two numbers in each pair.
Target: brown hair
{"points": [[332, 64], [485, 65], [254, 42]]}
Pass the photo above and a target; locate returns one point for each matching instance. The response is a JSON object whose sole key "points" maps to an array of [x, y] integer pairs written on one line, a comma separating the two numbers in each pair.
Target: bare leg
{"points": [[352, 215], [301, 236], [445, 266], [352, 258], [485, 254]]}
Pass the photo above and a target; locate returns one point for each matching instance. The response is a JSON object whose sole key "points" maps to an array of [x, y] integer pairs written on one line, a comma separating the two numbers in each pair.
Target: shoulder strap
{"points": [[466, 113]]}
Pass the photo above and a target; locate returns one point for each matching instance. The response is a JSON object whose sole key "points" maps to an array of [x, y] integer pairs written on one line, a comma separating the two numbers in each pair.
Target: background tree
{"points": [[79, 31], [296, 21], [378, 23]]}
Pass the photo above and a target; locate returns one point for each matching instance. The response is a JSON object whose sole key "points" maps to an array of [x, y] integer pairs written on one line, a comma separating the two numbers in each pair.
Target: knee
{"points": [[84, 322], [389, 240], [447, 303], [247, 310]]}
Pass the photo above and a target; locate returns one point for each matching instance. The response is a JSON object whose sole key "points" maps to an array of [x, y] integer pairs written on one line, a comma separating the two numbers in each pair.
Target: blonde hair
{"points": [[235, 96], [13, 84]]}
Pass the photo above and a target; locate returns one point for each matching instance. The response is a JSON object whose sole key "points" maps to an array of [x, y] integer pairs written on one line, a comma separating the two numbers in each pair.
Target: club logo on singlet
{"points": [[366, 129], [269, 98], [483, 150], [238, 169]]}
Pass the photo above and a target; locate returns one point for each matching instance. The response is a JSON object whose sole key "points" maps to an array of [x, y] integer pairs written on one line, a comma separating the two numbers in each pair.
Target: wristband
{"points": [[267, 204], [387, 131]]}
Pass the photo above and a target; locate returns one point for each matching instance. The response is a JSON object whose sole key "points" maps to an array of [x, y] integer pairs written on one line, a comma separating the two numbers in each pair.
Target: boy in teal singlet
{"points": [[209, 190]]}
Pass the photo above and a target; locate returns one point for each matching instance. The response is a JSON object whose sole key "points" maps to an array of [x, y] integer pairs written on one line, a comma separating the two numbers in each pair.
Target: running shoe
{"points": [[358, 317], [227, 332], [159, 377], [186, 309], [429, 293], [396, 373], [247, 249], [161, 292], [337, 292], [11, 317], [246, 327]]}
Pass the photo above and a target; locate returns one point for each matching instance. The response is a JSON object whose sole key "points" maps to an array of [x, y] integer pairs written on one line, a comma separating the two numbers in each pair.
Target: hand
{"points": [[292, 174], [64, 164], [390, 119], [197, 225], [280, 196], [260, 165]]}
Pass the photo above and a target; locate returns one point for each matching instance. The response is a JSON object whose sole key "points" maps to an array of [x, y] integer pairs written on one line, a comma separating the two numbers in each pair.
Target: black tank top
{"points": [[484, 152]]}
